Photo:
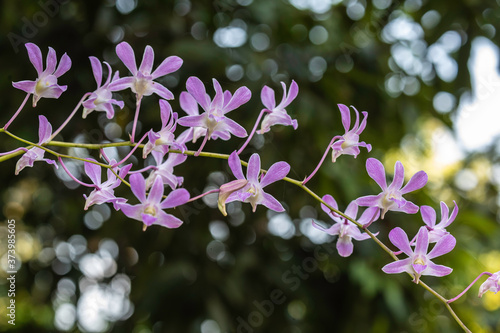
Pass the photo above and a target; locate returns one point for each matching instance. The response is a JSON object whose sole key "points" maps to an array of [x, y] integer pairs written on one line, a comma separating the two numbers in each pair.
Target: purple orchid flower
{"points": [[141, 83], [277, 114], [214, 119], [253, 191], [345, 229], [419, 261], [101, 99], [491, 284], [164, 139], [348, 144], [165, 170], [190, 106], [429, 217], [104, 191], [150, 210], [391, 197], [46, 84], [36, 154]]}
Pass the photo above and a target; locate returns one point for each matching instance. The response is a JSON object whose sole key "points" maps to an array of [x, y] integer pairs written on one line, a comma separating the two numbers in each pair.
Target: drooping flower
{"points": [[491, 284], [46, 83], [150, 209], [429, 217], [345, 229], [253, 191], [419, 261], [391, 197], [214, 118], [348, 144], [142, 80], [36, 154], [190, 106], [162, 140], [104, 191], [101, 99], [277, 115], [165, 170]]}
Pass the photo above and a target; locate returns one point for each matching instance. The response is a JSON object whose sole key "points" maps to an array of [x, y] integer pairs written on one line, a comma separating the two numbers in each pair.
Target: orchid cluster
{"points": [[158, 190]]}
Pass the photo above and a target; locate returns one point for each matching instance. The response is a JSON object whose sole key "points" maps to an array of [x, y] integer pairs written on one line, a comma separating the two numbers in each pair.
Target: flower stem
{"points": [[320, 162], [73, 177], [468, 287], [17, 112], [136, 118], [202, 195], [253, 131]]}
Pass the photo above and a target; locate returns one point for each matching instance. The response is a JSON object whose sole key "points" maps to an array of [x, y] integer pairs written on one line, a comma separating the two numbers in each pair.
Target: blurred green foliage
{"points": [[177, 284]]}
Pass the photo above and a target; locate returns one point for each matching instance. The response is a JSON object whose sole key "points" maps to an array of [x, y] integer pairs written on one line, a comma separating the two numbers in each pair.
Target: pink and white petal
{"points": [[160, 90], [93, 171], [366, 145], [122, 83], [218, 101], [165, 112], [189, 104], [96, 70], [398, 266], [346, 117], [363, 123], [108, 108], [267, 97], [333, 230], [345, 246], [193, 121], [428, 215], [110, 73], [436, 270], [276, 172], [51, 62], [399, 176], [370, 200], [253, 169], [197, 89], [169, 65], [148, 219], [240, 97], [27, 86], [131, 211], [235, 165], [126, 54], [292, 93], [330, 201], [352, 210], [53, 91], [35, 56], [444, 245], [408, 208], [355, 233], [175, 198], [232, 127], [148, 58], [445, 221], [138, 186], [270, 202], [422, 243], [399, 238], [376, 171], [167, 220], [64, 65], [416, 182], [370, 215], [156, 193], [44, 130], [223, 134]]}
